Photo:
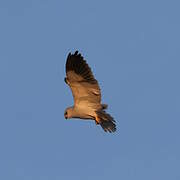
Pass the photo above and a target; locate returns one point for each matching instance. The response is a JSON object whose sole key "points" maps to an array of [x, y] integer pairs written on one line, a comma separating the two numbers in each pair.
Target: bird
{"points": [[86, 94]]}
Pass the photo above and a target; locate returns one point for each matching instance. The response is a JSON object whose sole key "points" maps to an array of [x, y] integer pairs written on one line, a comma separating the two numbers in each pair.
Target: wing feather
{"points": [[84, 86]]}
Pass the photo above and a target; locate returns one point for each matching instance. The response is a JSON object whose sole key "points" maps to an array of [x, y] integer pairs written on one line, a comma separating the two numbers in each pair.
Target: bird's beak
{"points": [[65, 80]]}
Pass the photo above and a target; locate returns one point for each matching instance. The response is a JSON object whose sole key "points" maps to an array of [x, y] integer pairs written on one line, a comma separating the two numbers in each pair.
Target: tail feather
{"points": [[106, 121]]}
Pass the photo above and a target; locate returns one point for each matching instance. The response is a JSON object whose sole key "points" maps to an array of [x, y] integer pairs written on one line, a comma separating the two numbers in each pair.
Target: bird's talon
{"points": [[97, 120]]}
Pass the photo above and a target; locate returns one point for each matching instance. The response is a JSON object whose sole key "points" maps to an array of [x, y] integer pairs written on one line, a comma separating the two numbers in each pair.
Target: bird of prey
{"points": [[86, 94]]}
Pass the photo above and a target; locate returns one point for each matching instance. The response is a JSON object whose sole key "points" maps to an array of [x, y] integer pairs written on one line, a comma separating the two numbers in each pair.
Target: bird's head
{"points": [[68, 113]]}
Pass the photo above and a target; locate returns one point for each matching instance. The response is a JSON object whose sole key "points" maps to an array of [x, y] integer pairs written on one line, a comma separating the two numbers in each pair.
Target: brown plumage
{"points": [[86, 94]]}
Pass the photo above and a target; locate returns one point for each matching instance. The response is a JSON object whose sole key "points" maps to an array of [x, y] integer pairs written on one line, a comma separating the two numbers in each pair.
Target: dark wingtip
{"points": [[75, 62], [69, 55], [76, 52]]}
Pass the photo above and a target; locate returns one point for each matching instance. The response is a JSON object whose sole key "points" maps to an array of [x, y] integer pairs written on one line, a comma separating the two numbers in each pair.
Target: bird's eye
{"points": [[65, 113]]}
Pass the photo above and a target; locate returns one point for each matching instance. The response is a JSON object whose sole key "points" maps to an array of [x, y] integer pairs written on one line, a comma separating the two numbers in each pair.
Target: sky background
{"points": [[133, 48]]}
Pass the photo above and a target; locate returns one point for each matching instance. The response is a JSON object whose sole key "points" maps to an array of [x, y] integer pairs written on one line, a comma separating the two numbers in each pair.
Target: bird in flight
{"points": [[86, 94]]}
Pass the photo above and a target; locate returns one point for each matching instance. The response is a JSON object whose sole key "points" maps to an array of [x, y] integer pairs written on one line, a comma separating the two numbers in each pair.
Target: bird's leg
{"points": [[97, 120]]}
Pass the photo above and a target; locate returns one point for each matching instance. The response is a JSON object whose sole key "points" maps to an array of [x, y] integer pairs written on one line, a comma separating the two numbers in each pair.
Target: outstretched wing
{"points": [[84, 86]]}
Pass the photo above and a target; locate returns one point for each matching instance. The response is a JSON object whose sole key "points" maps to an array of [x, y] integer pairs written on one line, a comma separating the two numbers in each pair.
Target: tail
{"points": [[106, 121]]}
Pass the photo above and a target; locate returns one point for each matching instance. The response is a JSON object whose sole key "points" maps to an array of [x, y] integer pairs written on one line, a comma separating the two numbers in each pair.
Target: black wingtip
{"points": [[76, 53], [69, 55], [75, 62]]}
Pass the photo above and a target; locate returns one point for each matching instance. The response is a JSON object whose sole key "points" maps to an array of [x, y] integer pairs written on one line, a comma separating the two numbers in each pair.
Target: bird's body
{"points": [[86, 93]]}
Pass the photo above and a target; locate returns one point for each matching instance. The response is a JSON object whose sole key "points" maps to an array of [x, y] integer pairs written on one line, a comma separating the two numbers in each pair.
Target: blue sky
{"points": [[133, 48]]}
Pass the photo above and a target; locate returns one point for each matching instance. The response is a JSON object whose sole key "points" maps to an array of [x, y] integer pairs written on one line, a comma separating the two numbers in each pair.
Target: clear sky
{"points": [[133, 48]]}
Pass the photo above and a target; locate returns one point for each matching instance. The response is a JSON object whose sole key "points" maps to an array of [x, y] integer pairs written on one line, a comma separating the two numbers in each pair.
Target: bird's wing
{"points": [[84, 86]]}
